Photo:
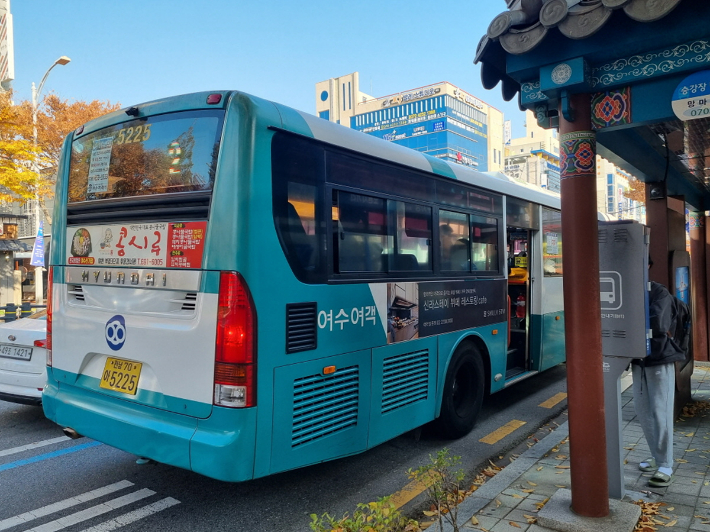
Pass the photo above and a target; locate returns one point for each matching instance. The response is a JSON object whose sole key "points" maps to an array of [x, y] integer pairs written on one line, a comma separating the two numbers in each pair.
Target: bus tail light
{"points": [[235, 350], [48, 342]]}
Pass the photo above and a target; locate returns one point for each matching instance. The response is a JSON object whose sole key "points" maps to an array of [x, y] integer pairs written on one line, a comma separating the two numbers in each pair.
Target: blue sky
{"points": [[132, 51]]}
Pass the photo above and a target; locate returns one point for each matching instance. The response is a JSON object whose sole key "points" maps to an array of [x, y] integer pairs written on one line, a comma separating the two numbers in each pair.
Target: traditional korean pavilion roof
{"points": [[631, 55]]}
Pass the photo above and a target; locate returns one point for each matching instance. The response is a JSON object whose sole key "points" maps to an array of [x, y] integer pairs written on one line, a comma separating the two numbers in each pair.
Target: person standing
{"points": [[654, 387]]}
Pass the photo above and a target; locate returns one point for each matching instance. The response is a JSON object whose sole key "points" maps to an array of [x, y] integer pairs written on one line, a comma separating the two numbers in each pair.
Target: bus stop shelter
{"points": [[629, 80]]}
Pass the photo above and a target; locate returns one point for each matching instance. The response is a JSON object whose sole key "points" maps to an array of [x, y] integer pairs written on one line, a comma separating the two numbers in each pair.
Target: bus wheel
{"points": [[463, 393]]}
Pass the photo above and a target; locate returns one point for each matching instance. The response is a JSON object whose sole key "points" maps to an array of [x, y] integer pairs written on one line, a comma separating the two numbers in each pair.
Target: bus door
{"points": [[519, 262]]}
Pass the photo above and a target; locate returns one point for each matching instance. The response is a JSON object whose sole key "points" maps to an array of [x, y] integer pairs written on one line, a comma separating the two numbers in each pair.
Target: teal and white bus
{"points": [[240, 289]]}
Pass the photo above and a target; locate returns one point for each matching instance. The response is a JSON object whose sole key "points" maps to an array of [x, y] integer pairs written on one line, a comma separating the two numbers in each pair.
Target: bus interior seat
{"points": [[296, 237], [403, 262]]}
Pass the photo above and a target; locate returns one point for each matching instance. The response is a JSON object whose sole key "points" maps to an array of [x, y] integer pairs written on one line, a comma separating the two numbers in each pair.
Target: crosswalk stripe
{"points": [[63, 505], [92, 512], [133, 516], [34, 445]]}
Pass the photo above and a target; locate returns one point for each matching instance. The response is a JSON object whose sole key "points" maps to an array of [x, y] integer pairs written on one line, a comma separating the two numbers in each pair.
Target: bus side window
{"points": [[297, 187], [454, 241], [484, 238], [362, 233], [414, 234]]}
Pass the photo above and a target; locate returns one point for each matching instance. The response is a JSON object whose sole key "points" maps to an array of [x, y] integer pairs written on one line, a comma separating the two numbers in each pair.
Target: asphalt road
{"points": [[80, 484]]}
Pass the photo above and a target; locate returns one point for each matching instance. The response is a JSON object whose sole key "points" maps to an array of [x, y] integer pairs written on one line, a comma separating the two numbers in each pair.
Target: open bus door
{"points": [[519, 262]]}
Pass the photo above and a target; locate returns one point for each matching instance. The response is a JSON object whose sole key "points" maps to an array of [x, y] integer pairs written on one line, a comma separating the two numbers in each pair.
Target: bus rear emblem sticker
{"points": [[116, 332]]}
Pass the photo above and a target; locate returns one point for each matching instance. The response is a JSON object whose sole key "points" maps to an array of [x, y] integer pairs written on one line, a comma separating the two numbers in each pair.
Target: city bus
{"points": [[239, 288]]}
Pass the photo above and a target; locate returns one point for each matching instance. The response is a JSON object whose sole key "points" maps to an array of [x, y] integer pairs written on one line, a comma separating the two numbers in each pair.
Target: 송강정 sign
{"points": [[691, 99]]}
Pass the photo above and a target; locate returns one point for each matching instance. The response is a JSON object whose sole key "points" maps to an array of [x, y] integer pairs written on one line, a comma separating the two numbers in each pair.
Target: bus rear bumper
{"points": [[220, 446]]}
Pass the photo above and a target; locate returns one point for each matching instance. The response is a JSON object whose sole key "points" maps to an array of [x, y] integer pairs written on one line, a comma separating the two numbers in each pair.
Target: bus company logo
{"points": [[116, 332]]}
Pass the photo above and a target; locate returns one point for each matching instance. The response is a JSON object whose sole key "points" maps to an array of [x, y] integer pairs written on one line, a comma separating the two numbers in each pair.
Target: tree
{"points": [[56, 118], [636, 191], [17, 181]]}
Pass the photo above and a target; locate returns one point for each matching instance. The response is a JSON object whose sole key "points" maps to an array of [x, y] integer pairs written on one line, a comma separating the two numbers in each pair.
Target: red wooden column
{"points": [[698, 285], [585, 385]]}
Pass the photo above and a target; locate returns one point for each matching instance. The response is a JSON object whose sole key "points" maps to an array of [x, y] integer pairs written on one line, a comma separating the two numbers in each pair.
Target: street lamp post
{"points": [[63, 60]]}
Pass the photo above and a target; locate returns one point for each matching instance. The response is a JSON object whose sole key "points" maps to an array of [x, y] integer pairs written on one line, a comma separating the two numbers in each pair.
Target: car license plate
{"points": [[121, 375], [15, 351]]}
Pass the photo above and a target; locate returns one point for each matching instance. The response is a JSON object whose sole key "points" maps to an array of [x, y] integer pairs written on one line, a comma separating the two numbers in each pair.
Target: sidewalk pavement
{"points": [[508, 501]]}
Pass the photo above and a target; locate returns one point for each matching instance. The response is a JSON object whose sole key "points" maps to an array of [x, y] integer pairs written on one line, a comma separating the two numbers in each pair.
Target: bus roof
{"points": [[338, 135]]}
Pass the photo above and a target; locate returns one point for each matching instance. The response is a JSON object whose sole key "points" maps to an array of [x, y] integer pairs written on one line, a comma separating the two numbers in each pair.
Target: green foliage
{"points": [[380, 516], [444, 485]]}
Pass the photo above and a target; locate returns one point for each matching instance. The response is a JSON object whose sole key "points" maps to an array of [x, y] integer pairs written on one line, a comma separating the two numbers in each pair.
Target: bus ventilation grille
{"points": [[77, 292], [405, 380], [301, 331], [324, 405], [190, 301], [606, 333]]}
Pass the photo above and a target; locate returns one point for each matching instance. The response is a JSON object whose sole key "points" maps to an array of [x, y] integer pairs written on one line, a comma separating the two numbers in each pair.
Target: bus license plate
{"points": [[14, 351], [121, 375]]}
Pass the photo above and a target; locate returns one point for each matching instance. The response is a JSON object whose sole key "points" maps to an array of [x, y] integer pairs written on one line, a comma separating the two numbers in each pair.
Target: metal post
{"points": [[698, 286], [585, 384], [63, 60]]}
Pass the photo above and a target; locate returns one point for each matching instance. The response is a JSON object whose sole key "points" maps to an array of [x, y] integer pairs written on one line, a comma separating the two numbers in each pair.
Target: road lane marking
{"points": [[63, 505], [409, 492], [29, 446], [552, 401], [133, 516], [502, 432], [39, 458], [92, 512]]}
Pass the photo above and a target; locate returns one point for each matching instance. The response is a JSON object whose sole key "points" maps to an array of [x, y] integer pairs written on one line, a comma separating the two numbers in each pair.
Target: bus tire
{"points": [[463, 393]]}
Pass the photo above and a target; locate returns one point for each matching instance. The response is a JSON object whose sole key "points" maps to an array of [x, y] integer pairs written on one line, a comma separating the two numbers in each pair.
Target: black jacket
{"points": [[663, 349]]}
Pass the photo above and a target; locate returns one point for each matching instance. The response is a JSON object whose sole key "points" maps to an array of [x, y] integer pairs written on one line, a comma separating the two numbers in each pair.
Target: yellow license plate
{"points": [[121, 375]]}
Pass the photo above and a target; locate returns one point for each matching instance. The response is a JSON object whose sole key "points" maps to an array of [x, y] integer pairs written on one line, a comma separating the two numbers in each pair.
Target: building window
{"points": [[324, 115]]}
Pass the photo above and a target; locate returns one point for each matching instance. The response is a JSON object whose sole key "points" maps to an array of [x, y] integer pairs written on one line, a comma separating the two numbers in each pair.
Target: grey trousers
{"points": [[654, 391]]}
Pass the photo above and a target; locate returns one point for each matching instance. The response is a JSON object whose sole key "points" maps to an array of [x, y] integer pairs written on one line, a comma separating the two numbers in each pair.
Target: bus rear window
{"points": [[155, 155]]}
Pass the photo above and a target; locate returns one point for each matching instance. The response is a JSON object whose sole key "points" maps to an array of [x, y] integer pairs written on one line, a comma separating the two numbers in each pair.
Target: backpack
{"points": [[680, 328]]}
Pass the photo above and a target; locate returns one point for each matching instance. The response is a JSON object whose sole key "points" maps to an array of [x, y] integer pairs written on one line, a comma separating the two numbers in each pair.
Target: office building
{"points": [[440, 120]]}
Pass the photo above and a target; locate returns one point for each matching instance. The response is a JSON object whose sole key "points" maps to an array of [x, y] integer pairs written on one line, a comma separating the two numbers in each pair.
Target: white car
{"points": [[23, 359]]}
